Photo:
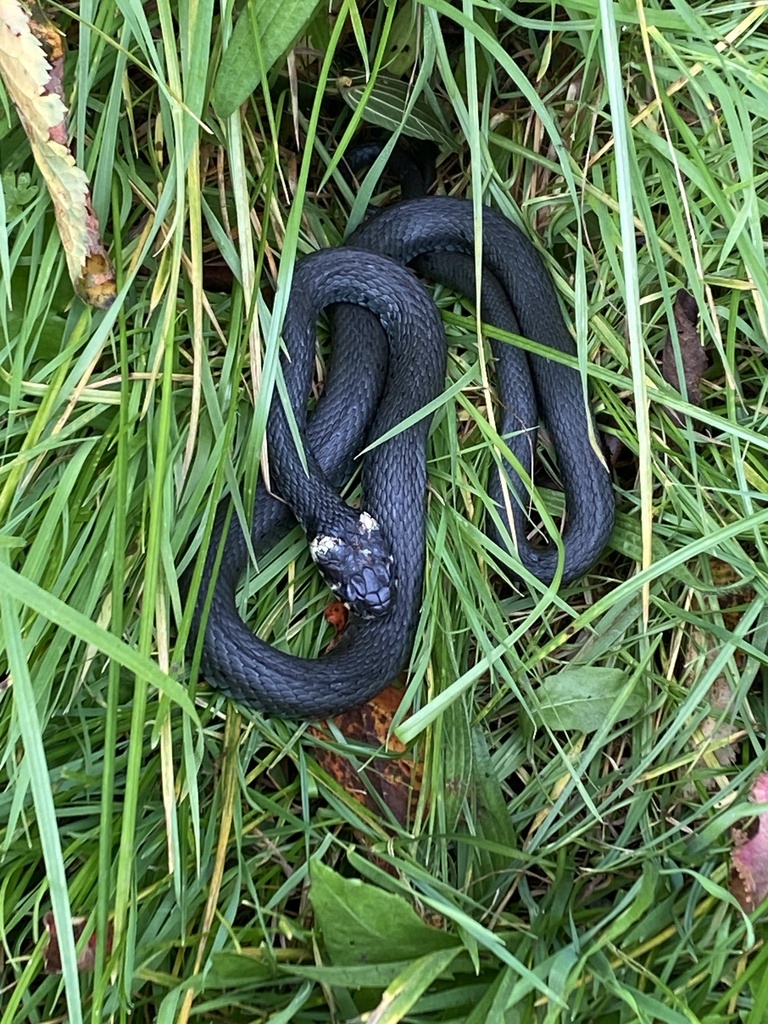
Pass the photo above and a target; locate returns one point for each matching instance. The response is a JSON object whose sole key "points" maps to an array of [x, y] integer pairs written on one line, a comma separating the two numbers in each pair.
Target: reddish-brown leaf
{"points": [[396, 780], [337, 614]]}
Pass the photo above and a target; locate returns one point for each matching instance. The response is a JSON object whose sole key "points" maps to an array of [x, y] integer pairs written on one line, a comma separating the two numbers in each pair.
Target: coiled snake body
{"points": [[388, 362]]}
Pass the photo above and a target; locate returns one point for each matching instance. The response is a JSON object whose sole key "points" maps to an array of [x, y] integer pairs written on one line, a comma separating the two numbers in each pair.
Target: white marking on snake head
{"points": [[367, 523], [322, 545]]}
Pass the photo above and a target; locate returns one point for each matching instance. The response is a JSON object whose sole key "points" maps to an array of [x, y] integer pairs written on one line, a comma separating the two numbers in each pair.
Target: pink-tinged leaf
{"points": [[749, 877]]}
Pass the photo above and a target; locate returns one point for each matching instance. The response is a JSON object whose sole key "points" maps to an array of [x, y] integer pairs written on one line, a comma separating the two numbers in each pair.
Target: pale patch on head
{"points": [[321, 546], [367, 523]]}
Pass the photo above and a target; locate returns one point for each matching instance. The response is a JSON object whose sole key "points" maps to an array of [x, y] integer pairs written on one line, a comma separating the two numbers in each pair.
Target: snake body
{"points": [[420, 232], [394, 483], [389, 362]]}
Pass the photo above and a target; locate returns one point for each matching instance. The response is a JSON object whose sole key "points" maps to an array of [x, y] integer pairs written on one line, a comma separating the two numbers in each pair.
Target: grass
{"points": [[579, 876]]}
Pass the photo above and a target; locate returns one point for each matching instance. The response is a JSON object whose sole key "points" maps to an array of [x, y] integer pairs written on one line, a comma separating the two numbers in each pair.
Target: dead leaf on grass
{"points": [[693, 357], [396, 780], [32, 66]]}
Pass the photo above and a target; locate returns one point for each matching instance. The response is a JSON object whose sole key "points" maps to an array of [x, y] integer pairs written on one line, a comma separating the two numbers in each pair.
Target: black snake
{"points": [[388, 362]]}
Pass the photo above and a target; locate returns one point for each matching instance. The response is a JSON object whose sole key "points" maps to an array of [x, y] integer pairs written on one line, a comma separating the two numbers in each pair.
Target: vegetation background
{"points": [[565, 855]]}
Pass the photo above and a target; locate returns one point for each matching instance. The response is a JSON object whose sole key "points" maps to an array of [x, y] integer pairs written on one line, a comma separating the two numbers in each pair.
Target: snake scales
{"points": [[388, 362]]}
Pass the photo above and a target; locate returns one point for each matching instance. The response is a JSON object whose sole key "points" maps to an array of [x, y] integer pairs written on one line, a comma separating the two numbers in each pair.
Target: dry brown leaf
{"points": [[35, 86], [693, 357], [749, 877], [396, 780]]}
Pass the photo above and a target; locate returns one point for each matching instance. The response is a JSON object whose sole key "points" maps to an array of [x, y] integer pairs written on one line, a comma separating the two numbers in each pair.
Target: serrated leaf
{"points": [[583, 699], [386, 104], [35, 86], [361, 923], [278, 25]]}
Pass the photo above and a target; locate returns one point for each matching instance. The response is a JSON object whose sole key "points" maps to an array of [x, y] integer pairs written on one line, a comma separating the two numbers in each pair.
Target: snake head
{"points": [[357, 566]]}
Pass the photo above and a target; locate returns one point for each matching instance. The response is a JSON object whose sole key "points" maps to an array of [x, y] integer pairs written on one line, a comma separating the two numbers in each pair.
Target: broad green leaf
{"points": [[386, 103], [374, 976], [354, 977], [278, 25], [228, 968], [361, 923], [583, 699]]}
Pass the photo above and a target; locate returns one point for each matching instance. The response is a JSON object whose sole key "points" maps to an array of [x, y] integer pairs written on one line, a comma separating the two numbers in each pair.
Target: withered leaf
{"points": [[693, 357], [34, 83], [396, 780]]}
